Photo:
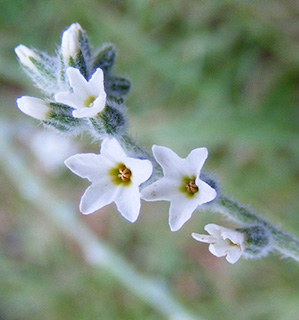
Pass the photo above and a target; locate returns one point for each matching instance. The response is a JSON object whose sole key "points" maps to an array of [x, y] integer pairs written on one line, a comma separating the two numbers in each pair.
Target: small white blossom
{"points": [[180, 185], [223, 242], [34, 107], [114, 177], [25, 55], [87, 98], [70, 46]]}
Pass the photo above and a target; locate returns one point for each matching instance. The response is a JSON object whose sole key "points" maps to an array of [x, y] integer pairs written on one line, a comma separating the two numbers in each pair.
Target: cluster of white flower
{"points": [[78, 92], [115, 177]]}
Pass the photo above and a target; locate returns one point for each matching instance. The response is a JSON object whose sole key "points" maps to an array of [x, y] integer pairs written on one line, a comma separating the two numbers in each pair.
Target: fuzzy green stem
{"points": [[281, 241], [97, 126]]}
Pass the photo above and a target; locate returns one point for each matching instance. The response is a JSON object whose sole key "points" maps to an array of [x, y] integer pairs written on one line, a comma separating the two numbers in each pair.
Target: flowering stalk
{"points": [[83, 94]]}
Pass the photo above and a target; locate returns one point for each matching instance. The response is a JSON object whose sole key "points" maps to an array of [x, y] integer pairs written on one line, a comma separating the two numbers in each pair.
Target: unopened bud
{"points": [[70, 44], [26, 55], [34, 107]]}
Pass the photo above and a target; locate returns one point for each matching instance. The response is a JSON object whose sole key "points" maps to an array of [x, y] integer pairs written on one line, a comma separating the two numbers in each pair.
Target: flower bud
{"points": [[70, 45], [26, 55], [34, 107], [40, 67]]}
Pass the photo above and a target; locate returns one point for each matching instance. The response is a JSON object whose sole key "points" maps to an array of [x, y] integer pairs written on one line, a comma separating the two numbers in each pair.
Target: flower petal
{"points": [[96, 82], [141, 169], [180, 212], [196, 160], [96, 197], [99, 103], [163, 189], [128, 202], [204, 238], [234, 254], [78, 82], [88, 165], [112, 150], [219, 249], [70, 99], [171, 163], [214, 230], [206, 193]]}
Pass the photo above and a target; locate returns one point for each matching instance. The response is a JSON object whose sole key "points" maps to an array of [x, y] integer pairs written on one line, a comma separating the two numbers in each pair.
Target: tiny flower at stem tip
{"points": [[223, 242]]}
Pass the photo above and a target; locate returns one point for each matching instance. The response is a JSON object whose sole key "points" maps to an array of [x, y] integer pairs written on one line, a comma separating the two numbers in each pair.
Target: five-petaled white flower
{"points": [[223, 242], [87, 98], [114, 177], [180, 185]]}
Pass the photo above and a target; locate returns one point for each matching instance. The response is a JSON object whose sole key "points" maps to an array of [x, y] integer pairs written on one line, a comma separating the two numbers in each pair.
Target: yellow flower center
{"points": [[89, 101], [231, 244], [188, 186], [124, 174], [191, 187], [121, 175]]}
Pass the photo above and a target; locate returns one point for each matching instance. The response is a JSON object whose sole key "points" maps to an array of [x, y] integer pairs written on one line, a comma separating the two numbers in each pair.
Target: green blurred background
{"points": [[220, 74]]}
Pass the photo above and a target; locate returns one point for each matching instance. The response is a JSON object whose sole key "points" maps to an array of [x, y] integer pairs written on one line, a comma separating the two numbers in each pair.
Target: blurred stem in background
{"points": [[96, 252]]}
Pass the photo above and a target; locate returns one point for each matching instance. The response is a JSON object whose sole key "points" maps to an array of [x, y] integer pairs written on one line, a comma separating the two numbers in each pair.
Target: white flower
{"points": [[87, 98], [25, 55], [70, 46], [180, 185], [34, 107], [223, 242], [114, 177]]}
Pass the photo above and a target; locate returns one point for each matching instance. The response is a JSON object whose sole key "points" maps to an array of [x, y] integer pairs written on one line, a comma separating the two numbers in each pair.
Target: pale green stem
{"points": [[281, 241], [97, 252]]}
